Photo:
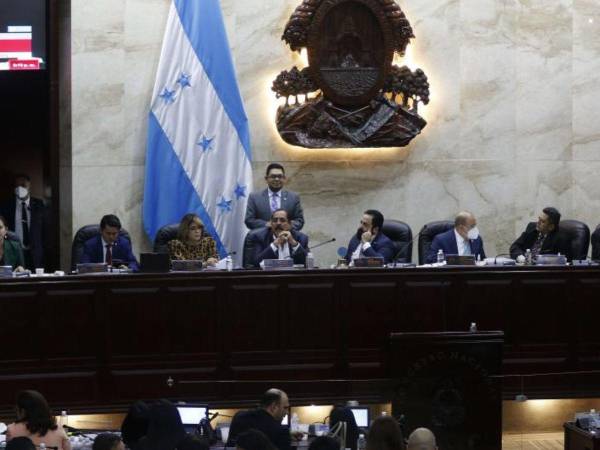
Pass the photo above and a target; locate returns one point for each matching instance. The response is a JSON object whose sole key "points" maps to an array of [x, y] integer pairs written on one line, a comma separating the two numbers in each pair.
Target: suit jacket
{"points": [[258, 211], [381, 246], [13, 254], [553, 244], [94, 253], [38, 227], [260, 420], [260, 243], [447, 243]]}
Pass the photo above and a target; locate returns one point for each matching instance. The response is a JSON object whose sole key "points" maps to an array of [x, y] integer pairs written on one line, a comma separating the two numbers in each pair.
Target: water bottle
{"points": [[64, 419], [440, 256], [473, 327], [361, 443], [229, 263], [528, 257], [294, 423], [310, 261]]}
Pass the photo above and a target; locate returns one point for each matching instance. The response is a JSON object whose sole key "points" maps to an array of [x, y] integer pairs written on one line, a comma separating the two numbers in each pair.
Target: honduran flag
{"points": [[198, 150]]}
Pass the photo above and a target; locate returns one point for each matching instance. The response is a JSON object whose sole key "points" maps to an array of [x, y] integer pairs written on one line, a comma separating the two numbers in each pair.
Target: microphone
{"points": [[322, 243], [404, 247], [507, 262]]}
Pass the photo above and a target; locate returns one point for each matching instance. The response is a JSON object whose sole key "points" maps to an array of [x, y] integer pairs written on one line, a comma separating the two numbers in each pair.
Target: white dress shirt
{"points": [[277, 199], [19, 216], [283, 252], [104, 244], [462, 244]]}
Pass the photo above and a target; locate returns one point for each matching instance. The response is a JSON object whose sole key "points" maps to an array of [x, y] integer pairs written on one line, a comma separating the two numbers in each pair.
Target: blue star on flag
{"points": [[224, 205], [240, 191], [184, 80], [206, 143], [168, 96]]}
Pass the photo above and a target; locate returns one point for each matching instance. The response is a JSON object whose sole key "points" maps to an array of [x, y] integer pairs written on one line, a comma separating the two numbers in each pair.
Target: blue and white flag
{"points": [[198, 155]]}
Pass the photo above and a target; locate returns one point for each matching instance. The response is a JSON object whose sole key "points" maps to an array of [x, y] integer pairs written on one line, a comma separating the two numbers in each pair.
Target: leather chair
{"points": [[577, 235], [164, 235], [596, 243], [401, 235], [430, 231], [247, 262], [84, 234]]}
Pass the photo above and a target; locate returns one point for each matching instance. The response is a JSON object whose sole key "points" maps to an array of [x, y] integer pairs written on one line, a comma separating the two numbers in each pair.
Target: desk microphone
{"points": [[506, 262], [404, 247], [322, 243]]}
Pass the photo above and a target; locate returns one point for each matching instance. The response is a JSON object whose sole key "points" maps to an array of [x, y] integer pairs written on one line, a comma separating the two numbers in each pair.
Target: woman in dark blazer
{"points": [[11, 253]]}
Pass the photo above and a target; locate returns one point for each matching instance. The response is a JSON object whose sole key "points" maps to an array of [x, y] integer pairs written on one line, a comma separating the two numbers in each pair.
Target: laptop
{"points": [[155, 262]]}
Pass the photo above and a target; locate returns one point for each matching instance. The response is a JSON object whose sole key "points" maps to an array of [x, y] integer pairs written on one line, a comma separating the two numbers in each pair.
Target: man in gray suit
{"points": [[262, 204]]}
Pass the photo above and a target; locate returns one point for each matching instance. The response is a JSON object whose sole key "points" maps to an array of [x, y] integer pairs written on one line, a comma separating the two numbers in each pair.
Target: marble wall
{"points": [[513, 120]]}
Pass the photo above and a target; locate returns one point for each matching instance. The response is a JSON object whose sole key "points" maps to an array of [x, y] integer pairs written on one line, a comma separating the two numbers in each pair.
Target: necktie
{"points": [[109, 254], [537, 246], [25, 224], [274, 205]]}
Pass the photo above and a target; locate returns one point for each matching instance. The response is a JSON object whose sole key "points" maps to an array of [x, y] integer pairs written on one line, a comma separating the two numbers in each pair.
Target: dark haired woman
{"points": [[11, 253], [192, 242], [35, 421]]}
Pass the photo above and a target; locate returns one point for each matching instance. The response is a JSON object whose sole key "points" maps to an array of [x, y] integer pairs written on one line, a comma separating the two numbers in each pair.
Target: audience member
{"points": [[165, 430], [421, 439], [274, 406], [192, 442], [261, 205], [253, 440], [11, 253], [279, 241], [20, 443], [192, 242], [135, 425], [463, 239], [345, 414], [385, 434], [35, 421], [109, 247], [369, 241], [541, 237], [108, 441], [27, 216], [326, 443]]}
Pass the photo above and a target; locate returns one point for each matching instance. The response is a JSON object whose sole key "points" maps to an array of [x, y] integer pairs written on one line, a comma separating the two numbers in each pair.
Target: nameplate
{"points": [[551, 260], [6, 272], [460, 260], [278, 264], [186, 265], [84, 268], [373, 261]]}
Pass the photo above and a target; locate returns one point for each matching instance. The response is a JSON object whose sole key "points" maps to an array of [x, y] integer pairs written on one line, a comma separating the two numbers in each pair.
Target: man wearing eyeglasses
{"points": [[262, 204], [279, 241]]}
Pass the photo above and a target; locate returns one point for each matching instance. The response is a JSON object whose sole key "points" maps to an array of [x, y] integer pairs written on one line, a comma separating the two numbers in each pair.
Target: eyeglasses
{"points": [[279, 219], [276, 177]]}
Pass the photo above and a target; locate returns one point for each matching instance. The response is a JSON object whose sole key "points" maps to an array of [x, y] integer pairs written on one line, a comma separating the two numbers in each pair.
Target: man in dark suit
{"points": [[279, 241], [262, 204], [274, 406], [463, 239], [109, 247], [542, 237], [369, 241], [27, 216]]}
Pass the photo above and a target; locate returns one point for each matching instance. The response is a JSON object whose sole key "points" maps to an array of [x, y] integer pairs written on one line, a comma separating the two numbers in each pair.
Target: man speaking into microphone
{"points": [[279, 241]]}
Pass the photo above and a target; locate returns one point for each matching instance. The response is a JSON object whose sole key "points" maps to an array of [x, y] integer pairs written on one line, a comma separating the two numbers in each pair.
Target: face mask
{"points": [[21, 192], [473, 233]]}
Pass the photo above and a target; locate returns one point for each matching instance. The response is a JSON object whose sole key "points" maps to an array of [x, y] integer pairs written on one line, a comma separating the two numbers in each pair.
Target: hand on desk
{"points": [[211, 262]]}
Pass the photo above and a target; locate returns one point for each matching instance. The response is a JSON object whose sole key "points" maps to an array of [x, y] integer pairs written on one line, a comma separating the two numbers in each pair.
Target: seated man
{"points": [[541, 237], [369, 241], [263, 203], [274, 406], [108, 246], [461, 240], [421, 439], [279, 241]]}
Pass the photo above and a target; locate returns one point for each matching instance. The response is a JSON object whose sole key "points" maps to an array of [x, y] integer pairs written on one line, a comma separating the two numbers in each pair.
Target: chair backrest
{"points": [[401, 235], [164, 235], [430, 231], [577, 235], [83, 235], [247, 262], [596, 243]]}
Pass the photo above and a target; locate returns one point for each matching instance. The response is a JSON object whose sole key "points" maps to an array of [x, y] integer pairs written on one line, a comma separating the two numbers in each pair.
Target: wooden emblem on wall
{"points": [[351, 94]]}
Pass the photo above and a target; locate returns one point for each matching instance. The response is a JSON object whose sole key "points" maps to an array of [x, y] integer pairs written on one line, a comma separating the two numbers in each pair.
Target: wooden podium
{"points": [[449, 382]]}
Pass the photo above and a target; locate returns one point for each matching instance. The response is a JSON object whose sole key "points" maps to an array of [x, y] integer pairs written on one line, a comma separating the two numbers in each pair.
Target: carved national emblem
{"points": [[350, 95]]}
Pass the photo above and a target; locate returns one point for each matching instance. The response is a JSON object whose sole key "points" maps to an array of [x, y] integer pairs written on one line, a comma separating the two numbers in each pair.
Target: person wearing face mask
{"points": [[369, 241], [463, 239], [279, 241], [27, 217]]}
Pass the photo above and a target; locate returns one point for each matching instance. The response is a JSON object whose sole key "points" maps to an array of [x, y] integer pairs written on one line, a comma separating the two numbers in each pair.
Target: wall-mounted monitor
{"points": [[361, 415], [192, 414], [22, 35]]}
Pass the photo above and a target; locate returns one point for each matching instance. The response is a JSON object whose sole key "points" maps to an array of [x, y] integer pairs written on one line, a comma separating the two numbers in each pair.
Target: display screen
{"points": [[361, 415], [22, 35], [191, 415]]}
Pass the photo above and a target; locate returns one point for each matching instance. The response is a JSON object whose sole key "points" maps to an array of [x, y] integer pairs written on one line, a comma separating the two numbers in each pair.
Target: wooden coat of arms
{"points": [[350, 95]]}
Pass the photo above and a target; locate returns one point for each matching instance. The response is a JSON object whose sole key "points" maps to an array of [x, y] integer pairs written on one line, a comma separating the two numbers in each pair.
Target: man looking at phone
{"points": [[369, 241]]}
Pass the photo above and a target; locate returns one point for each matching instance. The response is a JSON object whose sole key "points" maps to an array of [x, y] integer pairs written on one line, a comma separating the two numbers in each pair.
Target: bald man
{"points": [[421, 439], [463, 239]]}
